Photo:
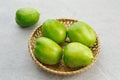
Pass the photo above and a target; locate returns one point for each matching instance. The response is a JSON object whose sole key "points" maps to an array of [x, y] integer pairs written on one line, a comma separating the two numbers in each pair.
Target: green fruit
{"points": [[26, 17], [47, 51], [54, 30], [83, 33], [77, 55]]}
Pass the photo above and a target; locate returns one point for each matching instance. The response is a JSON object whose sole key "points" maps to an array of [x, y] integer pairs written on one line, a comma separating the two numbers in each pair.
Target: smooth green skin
{"points": [[77, 55], [47, 51], [54, 30], [83, 33], [26, 17]]}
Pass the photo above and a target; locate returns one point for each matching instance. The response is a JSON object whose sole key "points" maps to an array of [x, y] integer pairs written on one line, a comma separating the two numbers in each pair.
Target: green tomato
{"points": [[47, 51], [83, 33], [54, 30], [26, 17], [77, 55]]}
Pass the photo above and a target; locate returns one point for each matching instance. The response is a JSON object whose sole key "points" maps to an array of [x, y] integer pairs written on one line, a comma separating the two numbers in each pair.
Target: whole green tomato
{"points": [[47, 51], [54, 30], [77, 55], [83, 33]]}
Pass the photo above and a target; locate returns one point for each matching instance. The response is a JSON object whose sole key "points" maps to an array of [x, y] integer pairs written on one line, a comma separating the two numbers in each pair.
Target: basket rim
{"points": [[60, 72]]}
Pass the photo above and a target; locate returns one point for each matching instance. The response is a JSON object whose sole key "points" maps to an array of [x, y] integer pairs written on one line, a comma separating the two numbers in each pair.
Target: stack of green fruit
{"points": [[77, 53]]}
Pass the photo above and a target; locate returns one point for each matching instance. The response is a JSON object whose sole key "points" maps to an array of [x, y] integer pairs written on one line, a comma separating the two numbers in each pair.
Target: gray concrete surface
{"points": [[102, 15]]}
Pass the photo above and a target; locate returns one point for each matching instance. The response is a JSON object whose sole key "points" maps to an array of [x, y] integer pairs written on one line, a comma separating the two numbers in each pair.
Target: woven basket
{"points": [[60, 68]]}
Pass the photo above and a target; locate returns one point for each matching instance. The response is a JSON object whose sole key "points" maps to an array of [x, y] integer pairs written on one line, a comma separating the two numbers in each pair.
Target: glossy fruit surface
{"points": [[26, 17], [54, 30], [83, 33], [77, 55], [47, 51]]}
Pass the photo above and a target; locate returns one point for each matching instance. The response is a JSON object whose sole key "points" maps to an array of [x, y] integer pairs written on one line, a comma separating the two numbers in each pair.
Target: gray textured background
{"points": [[102, 15]]}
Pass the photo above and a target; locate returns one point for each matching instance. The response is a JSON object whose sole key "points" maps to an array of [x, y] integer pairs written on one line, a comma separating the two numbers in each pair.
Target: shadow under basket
{"points": [[60, 68]]}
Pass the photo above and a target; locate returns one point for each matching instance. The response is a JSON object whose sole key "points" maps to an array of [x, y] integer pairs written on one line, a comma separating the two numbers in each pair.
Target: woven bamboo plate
{"points": [[60, 68]]}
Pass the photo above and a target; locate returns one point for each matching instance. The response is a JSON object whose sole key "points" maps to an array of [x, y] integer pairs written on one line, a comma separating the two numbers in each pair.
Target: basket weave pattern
{"points": [[60, 68]]}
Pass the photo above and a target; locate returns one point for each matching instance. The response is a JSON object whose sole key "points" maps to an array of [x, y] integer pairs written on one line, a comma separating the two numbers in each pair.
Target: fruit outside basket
{"points": [[60, 68]]}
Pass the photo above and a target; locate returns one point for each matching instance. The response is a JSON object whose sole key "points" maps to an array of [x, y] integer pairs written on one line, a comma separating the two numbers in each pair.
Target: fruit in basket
{"points": [[83, 33], [77, 55], [47, 51], [54, 30], [26, 17]]}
